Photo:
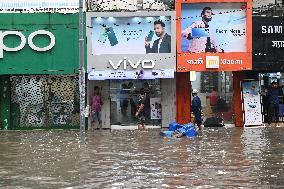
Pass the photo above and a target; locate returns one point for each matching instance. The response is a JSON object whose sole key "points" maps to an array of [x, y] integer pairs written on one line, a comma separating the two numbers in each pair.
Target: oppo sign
{"points": [[23, 41]]}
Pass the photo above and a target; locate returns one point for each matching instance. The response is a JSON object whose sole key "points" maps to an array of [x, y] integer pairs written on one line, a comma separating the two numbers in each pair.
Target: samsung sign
{"points": [[268, 43], [24, 41]]}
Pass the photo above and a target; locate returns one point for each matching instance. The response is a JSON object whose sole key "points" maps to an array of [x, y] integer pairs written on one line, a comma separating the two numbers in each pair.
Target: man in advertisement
{"points": [[202, 40], [161, 45]]}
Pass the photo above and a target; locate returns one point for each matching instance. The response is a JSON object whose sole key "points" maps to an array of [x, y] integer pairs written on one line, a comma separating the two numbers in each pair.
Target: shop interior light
{"points": [[137, 19], [111, 19], [149, 19], [99, 19]]}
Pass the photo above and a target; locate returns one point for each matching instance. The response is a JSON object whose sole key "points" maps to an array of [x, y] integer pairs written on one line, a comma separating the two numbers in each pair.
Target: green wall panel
{"points": [[63, 57], [4, 102]]}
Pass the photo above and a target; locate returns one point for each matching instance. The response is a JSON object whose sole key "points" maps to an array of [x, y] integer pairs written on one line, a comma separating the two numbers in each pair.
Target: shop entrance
{"points": [[216, 94], [124, 101], [265, 82]]}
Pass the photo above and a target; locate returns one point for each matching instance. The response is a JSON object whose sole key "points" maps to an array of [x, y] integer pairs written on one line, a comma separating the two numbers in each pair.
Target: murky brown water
{"points": [[219, 158]]}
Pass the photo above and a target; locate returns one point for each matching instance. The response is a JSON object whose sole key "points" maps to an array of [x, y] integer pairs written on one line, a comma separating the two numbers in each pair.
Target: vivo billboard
{"points": [[127, 44]]}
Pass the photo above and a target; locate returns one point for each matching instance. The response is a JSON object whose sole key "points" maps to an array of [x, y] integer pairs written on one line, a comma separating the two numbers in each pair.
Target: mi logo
{"points": [[212, 62]]}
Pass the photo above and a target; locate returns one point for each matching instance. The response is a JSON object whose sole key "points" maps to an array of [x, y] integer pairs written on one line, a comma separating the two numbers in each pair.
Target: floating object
{"points": [[174, 126], [167, 133], [187, 130]]}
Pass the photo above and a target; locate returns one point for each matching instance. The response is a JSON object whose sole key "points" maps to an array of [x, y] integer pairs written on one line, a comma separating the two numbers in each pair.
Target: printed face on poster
{"points": [[213, 27], [131, 35]]}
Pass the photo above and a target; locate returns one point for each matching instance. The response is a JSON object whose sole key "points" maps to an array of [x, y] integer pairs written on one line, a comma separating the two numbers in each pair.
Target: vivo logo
{"points": [[146, 64], [23, 41]]}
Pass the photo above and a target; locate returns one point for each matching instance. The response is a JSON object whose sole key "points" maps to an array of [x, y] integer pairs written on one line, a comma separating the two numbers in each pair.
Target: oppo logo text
{"points": [[23, 41]]}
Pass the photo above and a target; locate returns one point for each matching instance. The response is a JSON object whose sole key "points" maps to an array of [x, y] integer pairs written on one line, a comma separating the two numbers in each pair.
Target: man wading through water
{"points": [[140, 113], [196, 108]]}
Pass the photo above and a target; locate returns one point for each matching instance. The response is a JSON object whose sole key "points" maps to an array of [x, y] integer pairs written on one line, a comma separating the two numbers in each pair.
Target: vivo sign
{"points": [[23, 41], [146, 64]]}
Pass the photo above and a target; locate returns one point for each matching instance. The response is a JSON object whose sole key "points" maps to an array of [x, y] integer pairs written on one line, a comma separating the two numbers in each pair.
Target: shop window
{"points": [[43, 101], [124, 101], [216, 94]]}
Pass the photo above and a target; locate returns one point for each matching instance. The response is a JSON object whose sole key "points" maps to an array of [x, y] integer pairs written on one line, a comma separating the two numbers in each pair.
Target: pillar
{"points": [[237, 99], [183, 98]]}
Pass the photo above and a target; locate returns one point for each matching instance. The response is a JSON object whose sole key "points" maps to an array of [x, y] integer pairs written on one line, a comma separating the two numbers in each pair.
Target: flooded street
{"points": [[218, 158]]}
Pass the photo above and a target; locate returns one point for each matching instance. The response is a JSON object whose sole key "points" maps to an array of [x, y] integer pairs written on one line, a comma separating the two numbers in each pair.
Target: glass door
{"points": [[124, 101]]}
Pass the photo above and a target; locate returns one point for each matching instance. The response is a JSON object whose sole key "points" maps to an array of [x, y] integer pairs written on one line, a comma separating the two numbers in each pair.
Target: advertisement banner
{"points": [[122, 44], [156, 108], [39, 5], [252, 104], [26, 4], [217, 31], [268, 43], [131, 35]]}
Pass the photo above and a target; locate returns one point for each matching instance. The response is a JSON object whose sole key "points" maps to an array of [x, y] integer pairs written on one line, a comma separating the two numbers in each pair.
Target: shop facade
{"points": [[120, 65], [213, 49], [39, 71], [268, 61]]}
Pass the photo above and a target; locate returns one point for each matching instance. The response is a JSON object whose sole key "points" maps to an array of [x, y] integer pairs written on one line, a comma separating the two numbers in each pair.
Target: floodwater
{"points": [[218, 158]]}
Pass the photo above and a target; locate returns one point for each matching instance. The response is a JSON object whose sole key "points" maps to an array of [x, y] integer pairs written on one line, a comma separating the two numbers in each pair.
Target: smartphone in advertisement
{"points": [[200, 32], [150, 35], [111, 36]]}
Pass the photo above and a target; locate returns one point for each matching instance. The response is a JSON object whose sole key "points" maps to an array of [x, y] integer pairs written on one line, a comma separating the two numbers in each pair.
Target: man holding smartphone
{"points": [[161, 45], [196, 32]]}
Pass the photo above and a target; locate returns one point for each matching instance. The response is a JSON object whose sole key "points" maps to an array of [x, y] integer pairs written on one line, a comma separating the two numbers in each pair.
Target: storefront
{"points": [[268, 60], [120, 63], [213, 49], [39, 66]]}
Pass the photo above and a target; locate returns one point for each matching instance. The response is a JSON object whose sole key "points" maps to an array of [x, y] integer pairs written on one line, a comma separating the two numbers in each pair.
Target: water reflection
{"points": [[219, 158]]}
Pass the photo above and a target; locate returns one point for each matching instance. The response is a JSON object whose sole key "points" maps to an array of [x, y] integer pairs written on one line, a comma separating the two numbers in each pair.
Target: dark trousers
{"points": [[273, 113], [198, 118]]}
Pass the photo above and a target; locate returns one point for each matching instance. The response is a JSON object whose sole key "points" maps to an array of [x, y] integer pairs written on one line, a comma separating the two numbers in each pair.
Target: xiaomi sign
{"points": [[212, 62]]}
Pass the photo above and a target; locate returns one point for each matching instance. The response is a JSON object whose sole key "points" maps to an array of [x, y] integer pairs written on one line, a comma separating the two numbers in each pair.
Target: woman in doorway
{"points": [[96, 107]]}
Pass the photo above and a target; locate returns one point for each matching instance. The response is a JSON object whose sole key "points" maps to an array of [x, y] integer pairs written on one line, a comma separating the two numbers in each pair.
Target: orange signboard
{"points": [[214, 35]]}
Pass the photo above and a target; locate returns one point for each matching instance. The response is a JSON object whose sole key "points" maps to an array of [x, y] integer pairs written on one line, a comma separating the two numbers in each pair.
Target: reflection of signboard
{"points": [[252, 104], [156, 108]]}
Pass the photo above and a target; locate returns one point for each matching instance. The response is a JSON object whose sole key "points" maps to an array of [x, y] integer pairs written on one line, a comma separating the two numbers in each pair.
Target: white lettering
{"points": [[23, 40], [263, 28], [278, 44], [146, 64], [271, 29], [41, 32], [225, 61]]}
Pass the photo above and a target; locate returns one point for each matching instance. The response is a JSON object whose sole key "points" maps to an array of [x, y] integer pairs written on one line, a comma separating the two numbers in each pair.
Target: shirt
{"points": [[196, 104], [142, 100], [96, 103], [159, 45], [273, 96], [198, 45]]}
